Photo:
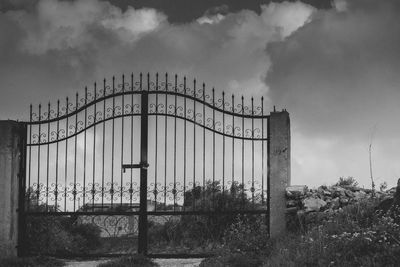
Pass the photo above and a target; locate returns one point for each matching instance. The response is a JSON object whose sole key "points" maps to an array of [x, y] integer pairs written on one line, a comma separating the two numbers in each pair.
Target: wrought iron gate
{"points": [[144, 152]]}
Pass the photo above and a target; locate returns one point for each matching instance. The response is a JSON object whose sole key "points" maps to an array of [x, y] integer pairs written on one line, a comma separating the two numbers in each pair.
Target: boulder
{"points": [[359, 195], [295, 191], [313, 204]]}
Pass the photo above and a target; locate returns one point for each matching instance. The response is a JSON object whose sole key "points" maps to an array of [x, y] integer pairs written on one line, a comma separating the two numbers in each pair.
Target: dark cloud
{"points": [[176, 10]]}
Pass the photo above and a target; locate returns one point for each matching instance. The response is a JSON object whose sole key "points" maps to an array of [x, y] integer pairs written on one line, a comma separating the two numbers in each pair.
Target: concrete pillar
{"points": [[12, 168], [279, 170]]}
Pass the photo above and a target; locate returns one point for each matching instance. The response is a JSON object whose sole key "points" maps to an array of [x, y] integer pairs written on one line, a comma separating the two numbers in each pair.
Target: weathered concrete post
{"points": [[12, 168], [279, 170]]}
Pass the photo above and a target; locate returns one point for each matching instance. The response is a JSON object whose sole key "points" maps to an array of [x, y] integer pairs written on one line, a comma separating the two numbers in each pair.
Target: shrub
{"points": [[130, 261], [233, 260], [207, 229], [56, 234], [31, 262], [355, 236], [249, 234], [349, 181]]}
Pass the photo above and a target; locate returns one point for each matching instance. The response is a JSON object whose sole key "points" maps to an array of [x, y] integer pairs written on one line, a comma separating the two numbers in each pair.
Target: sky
{"points": [[333, 65]]}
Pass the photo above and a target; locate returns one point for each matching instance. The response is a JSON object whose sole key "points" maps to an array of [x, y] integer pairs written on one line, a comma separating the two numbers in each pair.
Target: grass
{"points": [[357, 235], [31, 262]]}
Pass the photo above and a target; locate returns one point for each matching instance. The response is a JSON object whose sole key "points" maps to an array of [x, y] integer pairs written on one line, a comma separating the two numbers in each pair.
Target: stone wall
{"points": [[299, 198]]}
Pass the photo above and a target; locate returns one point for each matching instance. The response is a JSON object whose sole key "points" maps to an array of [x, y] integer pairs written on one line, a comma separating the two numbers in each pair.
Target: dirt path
{"points": [[161, 262]]}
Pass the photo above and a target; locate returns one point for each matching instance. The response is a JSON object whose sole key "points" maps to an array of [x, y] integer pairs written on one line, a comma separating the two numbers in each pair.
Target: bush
{"points": [[130, 261], [355, 236], [249, 234], [349, 181], [56, 234], [203, 230], [233, 260], [31, 262]]}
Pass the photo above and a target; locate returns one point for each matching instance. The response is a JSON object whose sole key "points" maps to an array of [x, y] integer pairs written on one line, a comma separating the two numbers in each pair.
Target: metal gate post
{"points": [[142, 249]]}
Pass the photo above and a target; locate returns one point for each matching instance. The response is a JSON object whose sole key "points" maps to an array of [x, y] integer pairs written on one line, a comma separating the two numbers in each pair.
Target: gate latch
{"points": [[141, 165]]}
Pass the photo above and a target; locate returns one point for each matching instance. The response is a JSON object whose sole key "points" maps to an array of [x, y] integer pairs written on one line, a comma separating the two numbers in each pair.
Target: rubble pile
{"points": [[328, 198]]}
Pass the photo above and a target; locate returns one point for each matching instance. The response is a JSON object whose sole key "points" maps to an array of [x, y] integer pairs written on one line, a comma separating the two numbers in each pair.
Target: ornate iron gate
{"points": [[140, 153]]}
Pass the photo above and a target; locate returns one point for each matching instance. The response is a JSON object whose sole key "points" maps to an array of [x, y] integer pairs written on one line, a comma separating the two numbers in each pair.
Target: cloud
{"points": [[57, 47], [338, 76]]}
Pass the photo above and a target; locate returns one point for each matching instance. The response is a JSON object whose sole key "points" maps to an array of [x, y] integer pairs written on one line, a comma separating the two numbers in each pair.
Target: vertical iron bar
{"points": [[194, 143], [156, 150], [165, 140], [223, 146], [112, 143], [243, 185], [38, 159], [48, 157], [233, 142], [94, 147], [131, 182], [213, 114], [142, 249], [268, 176], [57, 144], [75, 154], [262, 150], [204, 145], [175, 106], [84, 153], [184, 141], [103, 144], [122, 135], [30, 157], [252, 150], [66, 156]]}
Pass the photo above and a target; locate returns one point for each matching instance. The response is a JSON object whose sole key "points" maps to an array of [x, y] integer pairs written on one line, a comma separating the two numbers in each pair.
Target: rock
{"points": [[327, 193], [343, 200], [349, 193], [294, 191], [335, 203], [313, 204], [359, 195], [338, 191], [292, 203]]}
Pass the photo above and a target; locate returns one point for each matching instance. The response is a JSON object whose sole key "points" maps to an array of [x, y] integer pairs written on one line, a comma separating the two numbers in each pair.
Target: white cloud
{"points": [[210, 19], [60, 25]]}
